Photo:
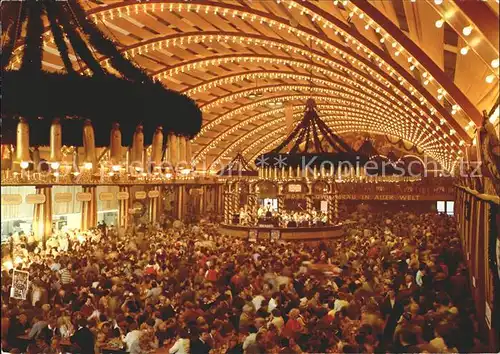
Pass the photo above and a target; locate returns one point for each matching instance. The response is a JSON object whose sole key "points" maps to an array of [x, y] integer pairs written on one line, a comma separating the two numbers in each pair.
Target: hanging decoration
{"points": [[94, 93]]}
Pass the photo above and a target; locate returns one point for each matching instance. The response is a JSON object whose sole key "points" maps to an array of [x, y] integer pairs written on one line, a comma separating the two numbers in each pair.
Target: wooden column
{"points": [[123, 207], [89, 209], [42, 215]]}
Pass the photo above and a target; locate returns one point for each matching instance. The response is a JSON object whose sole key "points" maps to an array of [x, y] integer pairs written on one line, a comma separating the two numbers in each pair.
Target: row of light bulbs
{"points": [[347, 107], [355, 124], [326, 113], [380, 110], [239, 39], [229, 115], [243, 138], [466, 31], [263, 139], [181, 8], [332, 113], [262, 19], [226, 38], [348, 38], [347, 127], [386, 103], [352, 96], [214, 143]]}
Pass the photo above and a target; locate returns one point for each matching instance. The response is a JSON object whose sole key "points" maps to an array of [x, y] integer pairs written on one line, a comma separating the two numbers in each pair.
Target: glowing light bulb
{"points": [[116, 168], [87, 165], [8, 265], [464, 50], [439, 23], [24, 164], [467, 30], [495, 63], [490, 78], [438, 2], [54, 165]]}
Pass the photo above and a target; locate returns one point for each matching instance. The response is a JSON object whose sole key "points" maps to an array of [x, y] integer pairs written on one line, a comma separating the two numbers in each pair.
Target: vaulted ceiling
{"points": [[420, 70]]}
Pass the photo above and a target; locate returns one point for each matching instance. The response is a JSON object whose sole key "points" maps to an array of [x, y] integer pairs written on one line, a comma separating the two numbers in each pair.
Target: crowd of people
{"points": [[393, 283]]}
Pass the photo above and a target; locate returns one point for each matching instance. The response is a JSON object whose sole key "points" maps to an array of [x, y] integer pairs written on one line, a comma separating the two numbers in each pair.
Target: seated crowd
{"points": [[393, 284]]}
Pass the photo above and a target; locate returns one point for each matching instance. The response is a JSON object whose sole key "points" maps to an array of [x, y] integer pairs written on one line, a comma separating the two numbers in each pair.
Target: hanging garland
{"points": [[40, 96]]}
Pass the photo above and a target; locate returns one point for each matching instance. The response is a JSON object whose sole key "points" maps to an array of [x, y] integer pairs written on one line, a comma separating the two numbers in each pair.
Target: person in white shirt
{"points": [[419, 278], [181, 345], [257, 301], [132, 337]]}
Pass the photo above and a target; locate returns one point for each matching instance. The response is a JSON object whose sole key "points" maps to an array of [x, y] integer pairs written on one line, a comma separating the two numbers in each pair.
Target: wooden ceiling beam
{"points": [[415, 51]]}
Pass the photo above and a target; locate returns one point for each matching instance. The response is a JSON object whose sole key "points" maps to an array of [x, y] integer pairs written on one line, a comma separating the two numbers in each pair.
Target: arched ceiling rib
{"points": [[384, 54]]}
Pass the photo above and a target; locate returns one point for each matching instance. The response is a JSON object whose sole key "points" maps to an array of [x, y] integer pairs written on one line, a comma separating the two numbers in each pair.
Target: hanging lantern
{"points": [[75, 169], [157, 147], [23, 143], [174, 149], [55, 144], [36, 159], [89, 145], [188, 151], [182, 149], [6, 157], [137, 147], [115, 146]]}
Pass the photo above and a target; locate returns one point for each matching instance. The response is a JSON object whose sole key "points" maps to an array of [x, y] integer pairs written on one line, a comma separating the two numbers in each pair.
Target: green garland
{"points": [[103, 98]]}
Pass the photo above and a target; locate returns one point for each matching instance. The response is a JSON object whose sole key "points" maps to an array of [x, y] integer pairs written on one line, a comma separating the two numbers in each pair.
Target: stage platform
{"points": [[284, 233]]}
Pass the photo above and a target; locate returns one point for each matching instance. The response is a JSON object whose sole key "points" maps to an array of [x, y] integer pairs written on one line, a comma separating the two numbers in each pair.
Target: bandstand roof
{"points": [[238, 167], [387, 67]]}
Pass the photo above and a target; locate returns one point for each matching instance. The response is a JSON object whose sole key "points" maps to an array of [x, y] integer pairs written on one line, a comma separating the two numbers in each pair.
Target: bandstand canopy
{"points": [[238, 167]]}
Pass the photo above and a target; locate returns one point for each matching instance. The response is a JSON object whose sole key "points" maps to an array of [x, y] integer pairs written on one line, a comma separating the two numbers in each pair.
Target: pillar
{"points": [[154, 206], [330, 208], [180, 200], [252, 204], [227, 206], [89, 209], [336, 203], [236, 200], [123, 207], [42, 215]]}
